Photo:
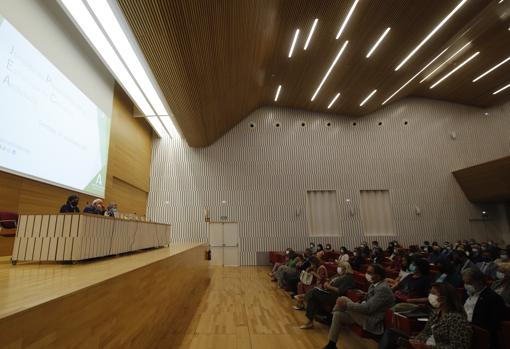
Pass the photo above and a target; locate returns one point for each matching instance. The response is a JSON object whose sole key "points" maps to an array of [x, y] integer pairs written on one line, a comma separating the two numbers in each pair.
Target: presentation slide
{"points": [[49, 130]]}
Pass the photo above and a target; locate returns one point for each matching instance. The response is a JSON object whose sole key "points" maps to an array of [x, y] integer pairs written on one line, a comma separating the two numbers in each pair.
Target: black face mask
{"points": [[74, 203]]}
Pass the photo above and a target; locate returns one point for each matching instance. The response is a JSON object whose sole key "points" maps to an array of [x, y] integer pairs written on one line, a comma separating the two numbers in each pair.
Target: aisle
{"points": [[243, 309]]}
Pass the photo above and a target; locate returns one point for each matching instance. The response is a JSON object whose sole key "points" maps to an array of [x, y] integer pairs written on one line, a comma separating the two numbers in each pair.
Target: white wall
{"points": [[263, 174], [49, 29]]}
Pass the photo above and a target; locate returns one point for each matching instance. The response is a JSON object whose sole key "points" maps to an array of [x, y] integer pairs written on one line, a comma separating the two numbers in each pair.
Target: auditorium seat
{"points": [[8, 223], [504, 335], [481, 338]]}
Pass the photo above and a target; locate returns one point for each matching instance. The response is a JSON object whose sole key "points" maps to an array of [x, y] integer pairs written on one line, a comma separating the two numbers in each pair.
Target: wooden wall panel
{"points": [[149, 307], [128, 160]]}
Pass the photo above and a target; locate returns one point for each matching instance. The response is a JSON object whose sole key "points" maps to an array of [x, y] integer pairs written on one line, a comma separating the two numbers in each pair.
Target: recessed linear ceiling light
{"points": [[491, 69], [156, 125], [310, 34], [501, 89], [454, 70], [296, 36], [427, 38], [334, 100], [447, 60], [330, 69], [84, 20], [415, 76], [346, 20], [367, 98], [381, 38], [277, 93]]}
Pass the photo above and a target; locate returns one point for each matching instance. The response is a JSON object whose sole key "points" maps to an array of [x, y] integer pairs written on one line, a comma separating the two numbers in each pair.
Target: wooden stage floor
{"points": [[243, 309]]}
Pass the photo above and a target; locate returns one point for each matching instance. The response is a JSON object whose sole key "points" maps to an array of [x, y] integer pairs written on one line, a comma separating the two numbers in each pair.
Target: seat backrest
{"points": [[8, 220], [504, 335], [481, 338]]}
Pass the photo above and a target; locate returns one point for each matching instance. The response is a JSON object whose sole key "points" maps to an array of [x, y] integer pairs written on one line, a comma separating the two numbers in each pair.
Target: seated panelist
{"points": [[97, 207], [71, 206]]}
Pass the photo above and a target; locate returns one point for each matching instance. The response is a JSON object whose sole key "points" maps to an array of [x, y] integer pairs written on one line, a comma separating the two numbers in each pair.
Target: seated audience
{"points": [[447, 273], [312, 247], [415, 287], [486, 264], [320, 251], [325, 297], [376, 250], [447, 326], [277, 265], [344, 254], [365, 250], [320, 275], [328, 248], [502, 284], [111, 210], [426, 247], [368, 314], [287, 269], [484, 307], [71, 206], [97, 207], [405, 262], [435, 255], [461, 261], [357, 260]]}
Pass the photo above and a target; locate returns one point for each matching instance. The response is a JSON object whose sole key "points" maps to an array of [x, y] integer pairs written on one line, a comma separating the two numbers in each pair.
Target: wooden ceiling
{"points": [[487, 182], [218, 60]]}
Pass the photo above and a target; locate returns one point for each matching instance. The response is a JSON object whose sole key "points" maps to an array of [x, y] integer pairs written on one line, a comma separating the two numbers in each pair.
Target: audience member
{"points": [[320, 275], [461, 261], [325, 297], [320, 251], [71, 205], [312, 247], [447, 273], [328, 248], [502, 284], [344, 254], [111, 210], [405, 262], [426, 247], [357, 260], [368, 314], [287, 269], [435, 255], [415, 287], [484, 307], [486, 264], [97, 207], [365, 250]]}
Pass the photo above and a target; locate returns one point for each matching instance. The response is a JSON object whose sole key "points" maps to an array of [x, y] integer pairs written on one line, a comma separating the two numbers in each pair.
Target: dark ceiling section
{"points": [[217, 61], [487, 182]]}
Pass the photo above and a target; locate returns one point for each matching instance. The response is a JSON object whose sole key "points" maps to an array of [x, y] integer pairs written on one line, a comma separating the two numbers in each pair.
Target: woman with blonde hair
{"points": [[325, 295]]}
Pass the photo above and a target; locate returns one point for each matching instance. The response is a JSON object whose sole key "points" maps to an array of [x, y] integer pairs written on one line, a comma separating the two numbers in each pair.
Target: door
{"points": [[216, 243], [231, 244]]}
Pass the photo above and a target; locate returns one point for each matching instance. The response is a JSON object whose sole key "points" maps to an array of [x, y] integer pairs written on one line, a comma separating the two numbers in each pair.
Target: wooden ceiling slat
{"points": [[217, 61]]}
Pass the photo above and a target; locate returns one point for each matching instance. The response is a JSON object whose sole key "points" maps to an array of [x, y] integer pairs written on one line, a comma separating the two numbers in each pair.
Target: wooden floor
{"points": [[243, 309]]}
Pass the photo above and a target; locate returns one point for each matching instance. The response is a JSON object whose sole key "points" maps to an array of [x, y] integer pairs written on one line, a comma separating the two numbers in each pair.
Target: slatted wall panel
{"points": [[264, 171]]}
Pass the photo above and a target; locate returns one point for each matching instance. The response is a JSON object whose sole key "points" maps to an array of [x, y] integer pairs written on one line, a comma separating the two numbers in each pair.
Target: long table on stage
{"points": [[142, 300]]}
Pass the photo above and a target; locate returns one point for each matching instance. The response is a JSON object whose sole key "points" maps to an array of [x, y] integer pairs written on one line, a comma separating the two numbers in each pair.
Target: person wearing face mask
{"points": [[71, 206], [487, 265], [447, 273], [435, 255], [502, 284], [319, 273], [357, 260], [462, 261], [414, 288], [368, 314], [325, 297], [312, 247], [484, 307], [405, 263], [344, 254]]}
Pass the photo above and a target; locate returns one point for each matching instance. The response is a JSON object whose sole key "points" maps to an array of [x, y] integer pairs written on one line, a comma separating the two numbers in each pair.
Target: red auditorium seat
{"points": [[481, 338], [331, 268], [8, 222], [361, 281]]}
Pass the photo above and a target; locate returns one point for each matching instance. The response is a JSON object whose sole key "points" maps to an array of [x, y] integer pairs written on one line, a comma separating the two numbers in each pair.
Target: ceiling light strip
{"points": [[330, 69], [84, 20], [156, 125], [415, 76], [381, 38], [333, 100], [454, 70], [346, 20], [367, 98], [296, 36], [447, 60], [310, 34], [492, 69], [427, 38], [501, 89], [277, 93]]}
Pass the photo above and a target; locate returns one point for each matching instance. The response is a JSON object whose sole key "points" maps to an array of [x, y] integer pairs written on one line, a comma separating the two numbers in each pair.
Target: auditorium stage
{"points": [[143, 299]]}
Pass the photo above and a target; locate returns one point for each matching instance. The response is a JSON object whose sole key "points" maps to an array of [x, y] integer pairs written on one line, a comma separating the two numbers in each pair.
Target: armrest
{"points": [[15, 222]]}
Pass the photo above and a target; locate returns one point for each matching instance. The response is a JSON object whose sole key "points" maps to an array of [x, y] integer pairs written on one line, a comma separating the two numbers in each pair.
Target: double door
{"points": [[224, 242]]}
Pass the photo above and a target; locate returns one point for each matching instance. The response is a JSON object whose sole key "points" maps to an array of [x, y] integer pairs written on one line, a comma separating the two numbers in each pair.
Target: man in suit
{"points": [[370, 313], [484, 307], [71, 206]]}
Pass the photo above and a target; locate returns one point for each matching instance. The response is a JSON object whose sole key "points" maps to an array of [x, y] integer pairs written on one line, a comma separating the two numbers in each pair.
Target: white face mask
{"points": [[434, 300], [500, 275], [470, 289], [339, 271], [368, 277]]}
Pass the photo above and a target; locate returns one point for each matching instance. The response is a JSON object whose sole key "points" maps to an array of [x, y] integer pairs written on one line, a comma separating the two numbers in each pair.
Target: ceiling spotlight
{"points": [[330, 69], [346, 20], [310, 34], [501, 89], [296, 35], [454, 70], [367, 98], [430, 35], [334, 100], [447, 60], [381, 38], [277, 93], [491, 69], [414, 77]]}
